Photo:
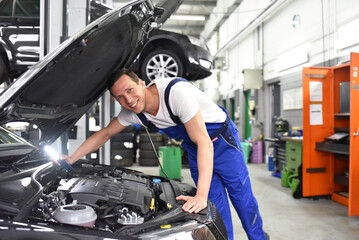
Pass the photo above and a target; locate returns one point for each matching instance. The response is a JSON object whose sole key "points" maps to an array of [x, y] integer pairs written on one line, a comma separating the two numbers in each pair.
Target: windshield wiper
{"points": [[24, 160]]}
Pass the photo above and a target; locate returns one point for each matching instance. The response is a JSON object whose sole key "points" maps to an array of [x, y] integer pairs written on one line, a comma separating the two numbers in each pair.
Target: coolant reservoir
{"points": [[76, 214]]}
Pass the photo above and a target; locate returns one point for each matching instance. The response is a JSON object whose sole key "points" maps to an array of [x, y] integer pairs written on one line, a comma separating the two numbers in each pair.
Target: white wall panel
{"points": [[240, 18], [328, 29], [212, 44], [347, 10], [217, 14], [245, 54], [239, 57], [328, 33], [279, 35]]}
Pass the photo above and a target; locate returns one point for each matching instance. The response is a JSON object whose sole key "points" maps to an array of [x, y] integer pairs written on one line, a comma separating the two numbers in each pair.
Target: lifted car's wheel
{"points": [[161, 64], [4, 72]]}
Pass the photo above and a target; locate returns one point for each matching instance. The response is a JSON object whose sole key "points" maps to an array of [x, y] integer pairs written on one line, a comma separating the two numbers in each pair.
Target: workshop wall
{"points": [[291, 35], [289, 84]]}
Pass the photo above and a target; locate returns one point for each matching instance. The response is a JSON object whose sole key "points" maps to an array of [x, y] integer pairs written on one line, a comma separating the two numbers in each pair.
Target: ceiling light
{"points": [[188, 17]]}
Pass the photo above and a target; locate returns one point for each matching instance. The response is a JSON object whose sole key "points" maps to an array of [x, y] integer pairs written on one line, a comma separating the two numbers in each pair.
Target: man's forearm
{"points": [[97, 140], [205, 167], [90, 145]]}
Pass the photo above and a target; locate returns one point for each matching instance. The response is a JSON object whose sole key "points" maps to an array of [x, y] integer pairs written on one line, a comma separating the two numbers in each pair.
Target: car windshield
{"points": [[7, 137], [22, 8], [13, 150]]}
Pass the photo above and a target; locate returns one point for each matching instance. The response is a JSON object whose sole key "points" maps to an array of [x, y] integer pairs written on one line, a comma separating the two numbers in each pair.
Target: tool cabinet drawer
{"points": [[293, 155]]}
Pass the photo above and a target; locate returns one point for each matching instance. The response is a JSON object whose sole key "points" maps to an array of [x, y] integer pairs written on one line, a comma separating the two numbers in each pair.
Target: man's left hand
{"points": [[193, 204]]}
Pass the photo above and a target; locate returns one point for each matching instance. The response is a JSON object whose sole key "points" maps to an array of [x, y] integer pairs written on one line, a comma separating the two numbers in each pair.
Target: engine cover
{"points": [[112, 190]]}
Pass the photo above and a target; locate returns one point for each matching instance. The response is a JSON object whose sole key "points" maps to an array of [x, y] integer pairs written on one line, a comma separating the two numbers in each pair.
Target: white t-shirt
{"points": [[184, 99]]}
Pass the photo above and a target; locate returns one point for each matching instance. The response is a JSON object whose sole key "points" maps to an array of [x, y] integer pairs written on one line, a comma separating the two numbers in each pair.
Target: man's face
{"points": [[129, 94]]}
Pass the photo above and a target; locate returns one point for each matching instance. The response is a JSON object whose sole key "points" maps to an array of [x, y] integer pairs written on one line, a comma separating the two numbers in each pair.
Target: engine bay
{"points": [[103, 199], [100, 200]]}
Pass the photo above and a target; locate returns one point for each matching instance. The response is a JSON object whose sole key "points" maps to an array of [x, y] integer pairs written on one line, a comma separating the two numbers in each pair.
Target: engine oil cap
{"points": [[156, 180]]}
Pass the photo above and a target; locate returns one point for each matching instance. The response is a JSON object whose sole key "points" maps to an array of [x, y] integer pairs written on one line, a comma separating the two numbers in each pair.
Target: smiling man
{"points": [[215, 155]]}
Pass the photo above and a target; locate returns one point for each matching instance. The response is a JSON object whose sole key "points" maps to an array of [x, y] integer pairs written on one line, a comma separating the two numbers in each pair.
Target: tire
{"points": [[4, 72], [166, 139], [120, 145], [129, 129], [148, 162], [122, 154], [147, 154], [125, 162], [148, 145], [150, 130], [124, 137], [156, 137], [160, 64]]}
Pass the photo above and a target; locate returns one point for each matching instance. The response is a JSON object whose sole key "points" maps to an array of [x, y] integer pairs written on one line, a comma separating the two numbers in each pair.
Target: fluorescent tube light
{"points": [[188, 17]]}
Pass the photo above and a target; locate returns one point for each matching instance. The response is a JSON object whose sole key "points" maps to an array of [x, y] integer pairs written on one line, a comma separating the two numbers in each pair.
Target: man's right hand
{"points": [[67, 158]]}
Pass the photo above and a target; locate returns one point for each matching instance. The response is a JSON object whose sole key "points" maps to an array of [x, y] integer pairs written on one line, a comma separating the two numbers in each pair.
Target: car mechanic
{"points": [[211, 139]]}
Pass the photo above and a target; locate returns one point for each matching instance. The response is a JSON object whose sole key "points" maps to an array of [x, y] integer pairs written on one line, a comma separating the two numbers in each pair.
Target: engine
{"points": [[103, 201]]}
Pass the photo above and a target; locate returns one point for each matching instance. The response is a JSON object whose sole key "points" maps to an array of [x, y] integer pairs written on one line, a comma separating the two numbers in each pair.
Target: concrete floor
{"points": [[285, 217]]}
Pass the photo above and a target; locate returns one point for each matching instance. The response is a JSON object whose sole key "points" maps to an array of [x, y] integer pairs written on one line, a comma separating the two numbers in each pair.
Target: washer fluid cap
{"points": [[76, 214], [156, 180]]}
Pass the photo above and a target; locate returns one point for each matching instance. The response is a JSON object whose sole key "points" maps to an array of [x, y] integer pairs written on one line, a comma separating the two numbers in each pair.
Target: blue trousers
{"points": [[230, 175]]}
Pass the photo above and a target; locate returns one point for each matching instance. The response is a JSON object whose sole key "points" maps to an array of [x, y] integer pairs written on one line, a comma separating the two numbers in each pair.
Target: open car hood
{"points": [[59, 89], [169, 7], [166, 7]]}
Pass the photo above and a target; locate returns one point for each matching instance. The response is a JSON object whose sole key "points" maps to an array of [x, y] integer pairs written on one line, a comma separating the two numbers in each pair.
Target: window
{"points": [[27, 8]]}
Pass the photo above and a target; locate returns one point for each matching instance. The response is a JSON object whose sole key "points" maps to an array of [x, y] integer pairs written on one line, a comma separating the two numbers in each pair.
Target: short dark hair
{"points": [[119, 73]]}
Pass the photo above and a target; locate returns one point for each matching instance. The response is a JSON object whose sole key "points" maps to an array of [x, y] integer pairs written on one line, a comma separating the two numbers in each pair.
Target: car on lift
{"points": [[45, 198], [170, 54], [165, 54]]}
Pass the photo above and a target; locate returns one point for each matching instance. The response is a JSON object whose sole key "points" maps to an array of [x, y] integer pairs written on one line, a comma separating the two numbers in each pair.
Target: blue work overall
{"points": [[229, 171]]}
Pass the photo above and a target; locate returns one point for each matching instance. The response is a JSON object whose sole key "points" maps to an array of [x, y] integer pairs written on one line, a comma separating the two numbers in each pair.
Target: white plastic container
{"points": [[76, 214]]}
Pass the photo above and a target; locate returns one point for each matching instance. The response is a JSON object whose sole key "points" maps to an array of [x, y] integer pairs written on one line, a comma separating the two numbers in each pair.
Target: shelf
{"points": [[344, 194], [272, 140], [341, 197], [332, 147], [341, 115], [341, 179], [342, 129], [341, 157], [282, 160]]}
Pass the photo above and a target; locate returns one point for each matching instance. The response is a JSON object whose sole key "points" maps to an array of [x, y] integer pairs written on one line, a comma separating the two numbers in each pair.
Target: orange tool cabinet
{"points": [[330, 168]]}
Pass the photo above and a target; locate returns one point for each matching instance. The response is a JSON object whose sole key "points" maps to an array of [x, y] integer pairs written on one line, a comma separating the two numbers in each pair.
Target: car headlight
{"points": [[191, 230], [205, 63]]}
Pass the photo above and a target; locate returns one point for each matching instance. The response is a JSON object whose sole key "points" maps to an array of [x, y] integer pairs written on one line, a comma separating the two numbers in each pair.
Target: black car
{"points": [[170, 54], [166, 54], [40, 199]]}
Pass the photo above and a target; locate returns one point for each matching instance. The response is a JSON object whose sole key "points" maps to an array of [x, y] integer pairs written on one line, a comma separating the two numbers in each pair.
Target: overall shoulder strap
{"points": [[145, 122], [174, 118]]}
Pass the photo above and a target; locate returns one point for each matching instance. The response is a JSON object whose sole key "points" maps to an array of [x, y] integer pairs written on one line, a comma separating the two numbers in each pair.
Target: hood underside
{"points": [[59, 89], [169, 7]]}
